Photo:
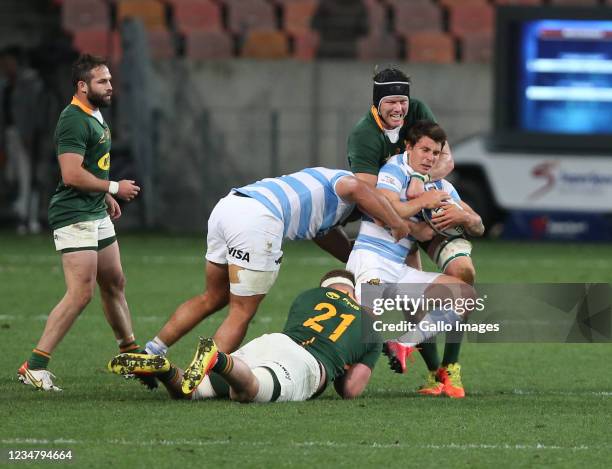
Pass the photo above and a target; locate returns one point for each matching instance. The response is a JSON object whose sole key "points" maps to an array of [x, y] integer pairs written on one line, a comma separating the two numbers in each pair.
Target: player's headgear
{"points": [[339, 276], [390, 82]]}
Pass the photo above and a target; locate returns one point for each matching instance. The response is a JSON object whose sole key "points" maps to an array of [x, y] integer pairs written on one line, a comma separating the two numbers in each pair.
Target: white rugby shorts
{"points": [[242, 231], [84, 234], [297, 370], [368, 266]]}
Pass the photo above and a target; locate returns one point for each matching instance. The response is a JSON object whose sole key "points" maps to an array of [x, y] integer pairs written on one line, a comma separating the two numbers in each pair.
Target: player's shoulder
{"points": [[418, 110], [72, 115], [365, 127]]}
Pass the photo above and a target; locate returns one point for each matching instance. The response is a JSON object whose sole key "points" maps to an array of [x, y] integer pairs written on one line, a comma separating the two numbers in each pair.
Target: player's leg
{"points": [[429, 349], [80, 277], [193, 311], [269, 368], [216, 292], [436, 288], [111, 281], [253, 239], [450, 371], [247, 289]]}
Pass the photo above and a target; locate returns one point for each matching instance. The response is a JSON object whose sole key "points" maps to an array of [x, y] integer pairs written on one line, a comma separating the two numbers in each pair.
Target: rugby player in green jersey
{"points": [[380, 134], [81, 213], [320, 343]]}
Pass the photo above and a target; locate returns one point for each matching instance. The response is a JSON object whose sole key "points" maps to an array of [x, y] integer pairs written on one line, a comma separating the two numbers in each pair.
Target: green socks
{"points": [[39, 360], [429, 352], [224, 364]]}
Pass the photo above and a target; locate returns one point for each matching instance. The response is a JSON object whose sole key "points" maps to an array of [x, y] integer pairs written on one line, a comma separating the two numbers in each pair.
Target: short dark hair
{"points": [[81, 69], [390, 74], [338, 273], [426, 128]]}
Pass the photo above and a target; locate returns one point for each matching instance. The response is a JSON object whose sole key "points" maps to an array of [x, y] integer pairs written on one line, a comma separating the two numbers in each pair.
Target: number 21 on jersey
{"points": [[330, 312]]}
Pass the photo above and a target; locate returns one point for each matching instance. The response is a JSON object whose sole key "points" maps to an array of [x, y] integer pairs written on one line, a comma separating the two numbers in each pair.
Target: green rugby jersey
{"points": [[369, 147], [328, 324], [79, 131]]}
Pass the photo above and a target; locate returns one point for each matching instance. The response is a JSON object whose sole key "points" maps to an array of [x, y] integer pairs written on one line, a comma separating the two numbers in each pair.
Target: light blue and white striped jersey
{"points": [[394, 176], [306, 201]]}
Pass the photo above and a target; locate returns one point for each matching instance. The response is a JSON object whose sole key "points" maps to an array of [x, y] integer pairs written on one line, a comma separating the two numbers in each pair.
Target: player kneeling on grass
{"points": [[376, 259], [321, 342]]}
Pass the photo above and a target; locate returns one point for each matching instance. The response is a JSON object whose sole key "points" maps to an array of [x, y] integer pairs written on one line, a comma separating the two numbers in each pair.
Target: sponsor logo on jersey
{"points": [[347, 301], [374, 281], [104, 162], [239, 254], [279, 260], [332, 295], [388, 179], [105, 136]]}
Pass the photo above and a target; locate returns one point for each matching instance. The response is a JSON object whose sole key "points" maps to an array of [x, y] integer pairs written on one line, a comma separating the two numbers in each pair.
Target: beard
{"points": [[98, 100]]}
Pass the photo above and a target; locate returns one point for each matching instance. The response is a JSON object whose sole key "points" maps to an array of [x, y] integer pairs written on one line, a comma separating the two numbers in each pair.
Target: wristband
{"points": [[423, 177], [113, 187]]}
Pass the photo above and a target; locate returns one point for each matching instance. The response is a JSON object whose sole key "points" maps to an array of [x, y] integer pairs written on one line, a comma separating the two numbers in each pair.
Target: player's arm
{"points": [[369, 201], [444, 165], [407, 209], [77, 177], [337, 243], [369, 179], [474, 226], [452, 215], [352, 383]]}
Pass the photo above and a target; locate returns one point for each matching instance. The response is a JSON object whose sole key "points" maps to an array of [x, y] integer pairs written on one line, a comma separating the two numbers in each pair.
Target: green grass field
{"points": [[528, 404]]}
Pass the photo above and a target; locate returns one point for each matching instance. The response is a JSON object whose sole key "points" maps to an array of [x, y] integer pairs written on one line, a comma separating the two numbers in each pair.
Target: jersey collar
{"points": [[95, 113], [82, 106]]}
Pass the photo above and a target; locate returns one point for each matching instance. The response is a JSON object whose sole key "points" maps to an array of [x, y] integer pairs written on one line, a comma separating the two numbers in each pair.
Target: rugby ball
{"points": [[449, 232]]}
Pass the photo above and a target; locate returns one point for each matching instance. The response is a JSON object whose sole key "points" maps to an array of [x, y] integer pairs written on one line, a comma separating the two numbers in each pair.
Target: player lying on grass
{"points": [[377, 258], [321, 342], [246, 230]]}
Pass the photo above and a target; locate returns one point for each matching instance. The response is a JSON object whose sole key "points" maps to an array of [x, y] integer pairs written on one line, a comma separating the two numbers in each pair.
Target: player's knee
{"points": [[81, 297], [462, 271], [247, 394], [115, 284], [216, 299]]}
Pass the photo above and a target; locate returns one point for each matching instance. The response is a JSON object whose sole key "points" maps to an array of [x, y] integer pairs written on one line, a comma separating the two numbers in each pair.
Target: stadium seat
{"points": [[101, 42], [471, 18], [477, 48], [409, 18], [85, 14], [453, 3], [203, 45], [517, 2], [245, 15], [201, 15], [378, 46], [377, 16], [305, 45], [261, 44], [297, 15], [150, 12], [430, 47]]}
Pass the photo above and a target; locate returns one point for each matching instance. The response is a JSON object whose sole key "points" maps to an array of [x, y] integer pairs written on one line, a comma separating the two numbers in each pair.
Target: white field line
{"points": [[302, 444], [148, 318]]}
